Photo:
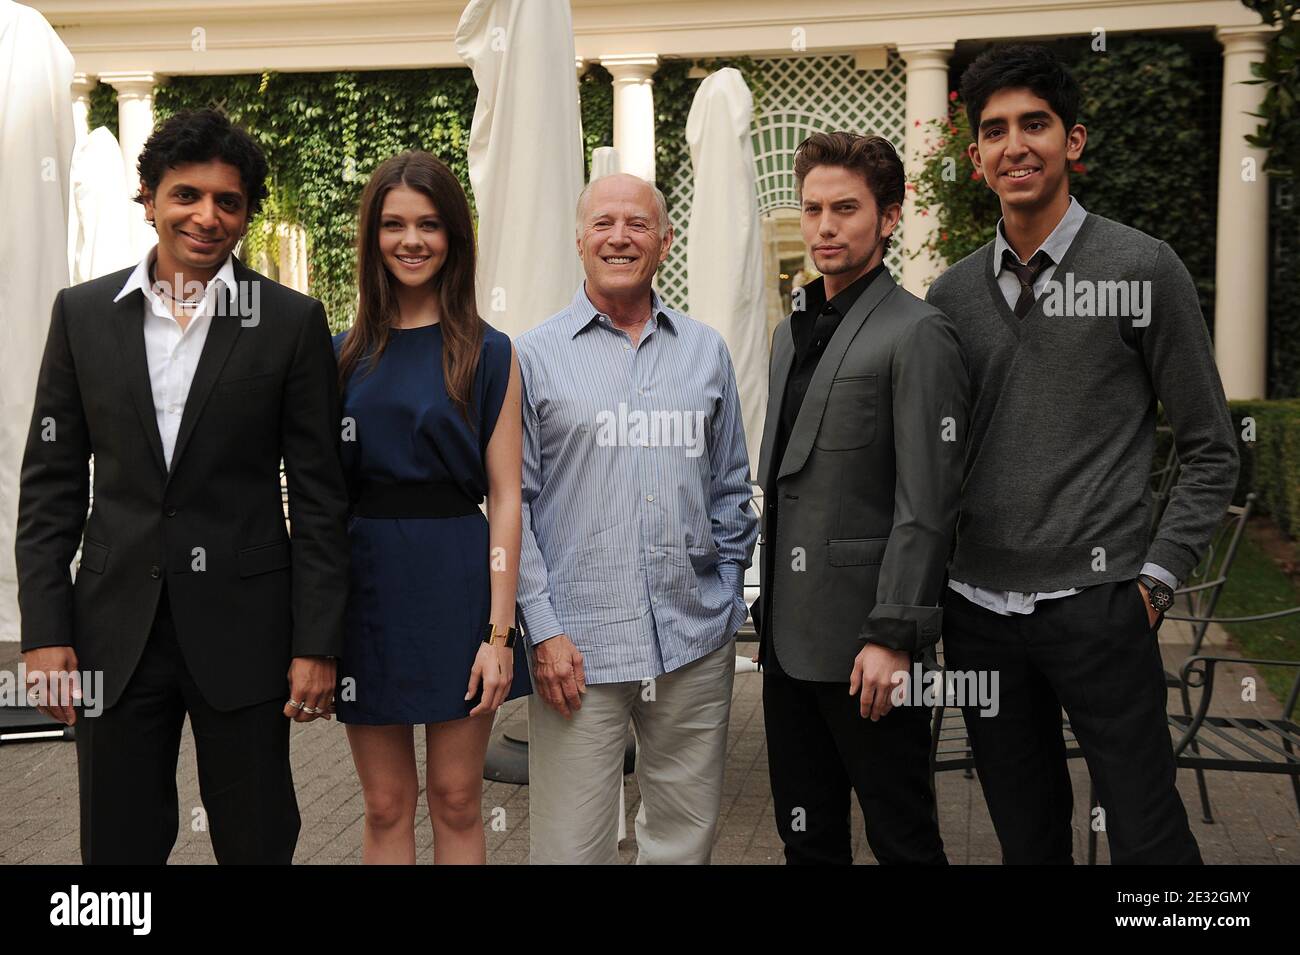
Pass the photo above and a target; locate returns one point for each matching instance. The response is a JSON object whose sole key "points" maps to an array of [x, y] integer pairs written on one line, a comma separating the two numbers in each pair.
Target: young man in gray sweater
{"points": [[1073, 328]]}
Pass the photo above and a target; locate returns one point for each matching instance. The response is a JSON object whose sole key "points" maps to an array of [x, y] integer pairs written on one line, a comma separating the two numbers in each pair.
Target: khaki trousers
{"points": [[575, 767]]}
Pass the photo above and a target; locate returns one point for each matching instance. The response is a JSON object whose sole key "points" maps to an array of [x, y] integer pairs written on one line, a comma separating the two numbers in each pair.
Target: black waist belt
{"points": [[414, 499]]}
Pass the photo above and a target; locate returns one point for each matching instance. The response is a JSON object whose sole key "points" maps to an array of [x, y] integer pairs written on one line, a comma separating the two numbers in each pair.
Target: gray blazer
{"points": [[865, 499]]}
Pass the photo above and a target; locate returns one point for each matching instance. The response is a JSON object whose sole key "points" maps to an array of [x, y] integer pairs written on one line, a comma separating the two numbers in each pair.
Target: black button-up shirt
{"points": [[812, 329]]}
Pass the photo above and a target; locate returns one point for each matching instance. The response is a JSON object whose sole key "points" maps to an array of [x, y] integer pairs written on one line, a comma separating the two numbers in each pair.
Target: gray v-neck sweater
{"points": [[1062, 429]]}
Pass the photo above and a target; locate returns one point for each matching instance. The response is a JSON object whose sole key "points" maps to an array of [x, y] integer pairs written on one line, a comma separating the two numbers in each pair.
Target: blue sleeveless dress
{"points": [[419, 599]]}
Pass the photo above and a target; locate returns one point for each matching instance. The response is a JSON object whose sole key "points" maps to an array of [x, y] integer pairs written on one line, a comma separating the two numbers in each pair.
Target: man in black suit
{"points": [[188, 379], [861, 473]]}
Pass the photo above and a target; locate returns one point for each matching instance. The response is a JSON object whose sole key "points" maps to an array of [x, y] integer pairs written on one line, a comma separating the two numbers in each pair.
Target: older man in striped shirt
{"points": [[637, 530]]}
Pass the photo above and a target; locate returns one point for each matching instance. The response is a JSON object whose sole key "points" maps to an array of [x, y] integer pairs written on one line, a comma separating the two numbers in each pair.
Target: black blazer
{"points": [[246, 594]]}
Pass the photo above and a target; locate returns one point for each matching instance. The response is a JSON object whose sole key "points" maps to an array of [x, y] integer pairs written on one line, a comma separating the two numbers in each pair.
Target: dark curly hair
{"points": [[200, 135], [1020, 66]]}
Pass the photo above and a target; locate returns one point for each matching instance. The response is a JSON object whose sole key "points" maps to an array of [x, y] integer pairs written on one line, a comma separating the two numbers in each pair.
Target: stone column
{"points": [[927, 99], [134, 124], [82, 84], [1241, 242], [634, 111]]}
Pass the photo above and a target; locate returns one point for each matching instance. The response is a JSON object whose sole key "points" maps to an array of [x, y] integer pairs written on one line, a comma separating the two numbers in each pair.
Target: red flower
{"points": [[952, 96], [1078, 167], [943, 236], [916, 123]]}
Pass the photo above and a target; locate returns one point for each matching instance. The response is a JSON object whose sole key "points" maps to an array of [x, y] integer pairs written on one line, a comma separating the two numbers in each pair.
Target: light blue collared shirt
{"points": [[637, 524], [1007, 602]]}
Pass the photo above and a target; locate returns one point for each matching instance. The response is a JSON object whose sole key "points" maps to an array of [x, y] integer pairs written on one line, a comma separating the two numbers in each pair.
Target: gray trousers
{"points": [[575, 767]]}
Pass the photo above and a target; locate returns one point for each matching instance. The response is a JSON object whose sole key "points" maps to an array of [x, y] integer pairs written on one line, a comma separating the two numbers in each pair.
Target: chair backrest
{"points": [[1204, 586]]}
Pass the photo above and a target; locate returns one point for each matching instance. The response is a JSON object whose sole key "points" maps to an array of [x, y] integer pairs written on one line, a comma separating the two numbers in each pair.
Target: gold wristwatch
{"points": [[500, 638]]}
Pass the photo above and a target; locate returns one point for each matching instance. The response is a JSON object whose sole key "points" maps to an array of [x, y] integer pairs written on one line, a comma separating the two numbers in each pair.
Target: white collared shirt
{"points": [[1055, 245], [173, 354]]}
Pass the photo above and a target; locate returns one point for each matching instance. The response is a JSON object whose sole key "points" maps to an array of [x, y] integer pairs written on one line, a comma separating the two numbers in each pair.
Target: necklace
{"points": [[184, 303]]}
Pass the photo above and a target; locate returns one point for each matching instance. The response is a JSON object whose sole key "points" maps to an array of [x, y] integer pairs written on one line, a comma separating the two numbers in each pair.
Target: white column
{"points": [[927, 99], [82, 84], [1241, 241], [134, 125], [634, 111]]}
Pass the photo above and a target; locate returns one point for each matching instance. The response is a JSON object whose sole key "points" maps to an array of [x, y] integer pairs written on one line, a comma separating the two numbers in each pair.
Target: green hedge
{"points": [[1270, 466]]}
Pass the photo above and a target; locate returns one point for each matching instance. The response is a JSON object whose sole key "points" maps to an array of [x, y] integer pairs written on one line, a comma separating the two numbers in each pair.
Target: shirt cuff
{"points": [[540, 623], [903, 627], [1159, 573], [731, 575]]}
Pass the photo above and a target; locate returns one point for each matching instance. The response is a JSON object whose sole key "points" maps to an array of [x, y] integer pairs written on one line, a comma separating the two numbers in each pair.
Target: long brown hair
{"points": [[377, 312]]}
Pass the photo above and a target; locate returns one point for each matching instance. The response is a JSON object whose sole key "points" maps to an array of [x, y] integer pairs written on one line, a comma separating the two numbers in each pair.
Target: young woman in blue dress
{"points": [[431, 398]]}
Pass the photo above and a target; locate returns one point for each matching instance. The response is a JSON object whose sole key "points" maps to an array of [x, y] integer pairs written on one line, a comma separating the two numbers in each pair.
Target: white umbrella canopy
{"points": [[36, 140], [525, 157], [100, 236], [724, 254]]}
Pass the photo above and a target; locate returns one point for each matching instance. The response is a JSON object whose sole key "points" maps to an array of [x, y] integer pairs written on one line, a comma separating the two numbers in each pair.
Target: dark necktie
{"points": [[1027, 274]]}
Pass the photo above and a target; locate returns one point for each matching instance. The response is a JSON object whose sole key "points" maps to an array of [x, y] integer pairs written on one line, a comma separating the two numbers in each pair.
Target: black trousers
{"points": [[820, 751], [126, 768], [1095, 655]]}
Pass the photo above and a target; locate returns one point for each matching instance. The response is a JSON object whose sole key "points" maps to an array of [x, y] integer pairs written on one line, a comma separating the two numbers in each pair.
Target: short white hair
{"points": [[661, 204]]}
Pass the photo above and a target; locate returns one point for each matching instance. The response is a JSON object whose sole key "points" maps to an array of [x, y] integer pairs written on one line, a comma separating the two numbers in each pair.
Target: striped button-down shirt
{"points": [[637, 524]]}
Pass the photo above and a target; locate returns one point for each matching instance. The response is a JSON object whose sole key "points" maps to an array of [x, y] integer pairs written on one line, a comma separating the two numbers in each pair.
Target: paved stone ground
{"points": [[1255, 814]]}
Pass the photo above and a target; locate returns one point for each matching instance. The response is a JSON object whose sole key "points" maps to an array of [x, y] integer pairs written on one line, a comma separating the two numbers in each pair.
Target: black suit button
{"points": [[171, 512], [155, 571]]}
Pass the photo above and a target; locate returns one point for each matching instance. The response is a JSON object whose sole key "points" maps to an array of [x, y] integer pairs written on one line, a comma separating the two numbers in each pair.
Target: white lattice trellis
{"points": [[802, 94]]}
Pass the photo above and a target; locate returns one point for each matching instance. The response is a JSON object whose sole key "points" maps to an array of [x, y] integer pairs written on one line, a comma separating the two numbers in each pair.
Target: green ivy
{"points": [[596, 101], [1280, 69], [103, 108], [1279, 133]]}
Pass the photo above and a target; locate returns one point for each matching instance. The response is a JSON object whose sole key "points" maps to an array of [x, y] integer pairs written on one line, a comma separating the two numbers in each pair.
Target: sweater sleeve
{"points": [[1180, 360]]}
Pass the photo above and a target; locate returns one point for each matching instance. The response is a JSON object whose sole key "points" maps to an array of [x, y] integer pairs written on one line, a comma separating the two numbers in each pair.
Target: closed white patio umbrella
{"points": [[100, 236], [36, 140], [525, 157], [724, 254]]}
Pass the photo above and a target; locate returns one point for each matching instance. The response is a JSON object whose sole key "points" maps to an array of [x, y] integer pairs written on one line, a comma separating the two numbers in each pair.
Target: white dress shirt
{"points": [[1007, 602], [173, 354]]}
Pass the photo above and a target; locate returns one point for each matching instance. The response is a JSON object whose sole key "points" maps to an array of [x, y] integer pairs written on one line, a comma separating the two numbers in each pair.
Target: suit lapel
{"points": [[782, 362], [128, 322], [222, 332], [809, 421]]}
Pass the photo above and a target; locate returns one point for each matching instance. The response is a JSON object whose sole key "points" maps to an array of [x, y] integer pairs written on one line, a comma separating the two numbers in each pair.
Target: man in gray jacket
{"points": [[1073, 327], [861, 471]]}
